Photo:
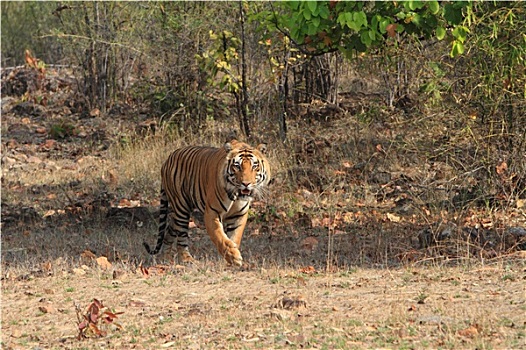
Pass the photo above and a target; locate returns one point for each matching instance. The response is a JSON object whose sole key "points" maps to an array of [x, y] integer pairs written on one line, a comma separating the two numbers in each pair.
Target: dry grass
{"points": [[268, 306]]}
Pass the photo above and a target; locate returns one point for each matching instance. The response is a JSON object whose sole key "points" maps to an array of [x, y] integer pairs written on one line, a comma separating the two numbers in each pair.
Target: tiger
{"points": [[219, 182]]}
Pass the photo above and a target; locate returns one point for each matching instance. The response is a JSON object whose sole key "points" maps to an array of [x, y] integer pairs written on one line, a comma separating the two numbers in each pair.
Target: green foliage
{"points": [[319, 27], [220, 58]]}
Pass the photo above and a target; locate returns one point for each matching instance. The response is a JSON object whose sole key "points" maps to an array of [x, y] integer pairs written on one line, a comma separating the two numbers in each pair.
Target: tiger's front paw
{"points": [[232, 254]]}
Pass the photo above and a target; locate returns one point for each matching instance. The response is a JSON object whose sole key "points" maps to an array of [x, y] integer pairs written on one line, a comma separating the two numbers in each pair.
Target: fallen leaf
{"points": [[123, 203], [308, 269], [501, 168], [393, 217], [103, 262], [168, 344], [48, 309], [88, 255], [113, 177], [95, 112], [50, 212], [48, 144], [79, 272], [47, 266], [469, 332], [137, 303]]}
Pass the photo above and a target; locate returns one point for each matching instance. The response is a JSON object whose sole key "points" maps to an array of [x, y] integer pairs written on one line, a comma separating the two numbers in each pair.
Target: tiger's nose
{"points": [[246, 184]]}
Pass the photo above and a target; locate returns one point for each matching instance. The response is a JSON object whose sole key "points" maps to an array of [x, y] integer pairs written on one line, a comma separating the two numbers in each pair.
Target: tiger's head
{"points": [[247, 171]]}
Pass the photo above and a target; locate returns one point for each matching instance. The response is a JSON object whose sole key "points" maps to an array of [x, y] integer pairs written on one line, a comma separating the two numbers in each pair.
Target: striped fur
{"points": [[219, 182]]}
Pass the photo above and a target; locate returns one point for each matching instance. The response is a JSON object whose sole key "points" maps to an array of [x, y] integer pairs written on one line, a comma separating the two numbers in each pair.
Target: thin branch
{"points": [[74, 36]]}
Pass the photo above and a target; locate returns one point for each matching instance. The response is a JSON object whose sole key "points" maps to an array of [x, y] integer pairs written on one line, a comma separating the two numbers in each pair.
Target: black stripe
{"points": [[230, 229]]}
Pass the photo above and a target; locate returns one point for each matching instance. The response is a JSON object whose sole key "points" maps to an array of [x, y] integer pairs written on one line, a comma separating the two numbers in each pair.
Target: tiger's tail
{"points": [[163, 219]]}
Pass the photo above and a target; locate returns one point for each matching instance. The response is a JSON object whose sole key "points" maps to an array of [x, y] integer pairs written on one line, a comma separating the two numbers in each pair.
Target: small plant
{"points": [[226, 278], [62, 130], [88, 320], [421, 298], [508, 277]]}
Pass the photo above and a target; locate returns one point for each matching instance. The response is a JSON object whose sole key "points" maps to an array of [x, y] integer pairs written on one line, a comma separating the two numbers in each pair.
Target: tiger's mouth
{"points": [[245, 192]]}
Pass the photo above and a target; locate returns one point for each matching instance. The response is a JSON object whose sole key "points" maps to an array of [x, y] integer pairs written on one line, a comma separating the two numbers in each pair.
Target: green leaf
{"points": [[295, 33], [316, 21], [434, 7], [417, 20], [457, 49], [360, 18], [441, 33], [365, 38], [460, 33], [341, 20], [348, 18], [306, 13], [401, 15], [374, 21], [383, 25], [312, 29], [324, 12], [293, 5], [415, 5], [452, 14], [312, 6], [430, 22], [351, 23]]}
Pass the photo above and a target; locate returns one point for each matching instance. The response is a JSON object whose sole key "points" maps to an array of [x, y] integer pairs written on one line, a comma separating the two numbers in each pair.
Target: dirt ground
{"points": [[211, 306], [365, 251]]}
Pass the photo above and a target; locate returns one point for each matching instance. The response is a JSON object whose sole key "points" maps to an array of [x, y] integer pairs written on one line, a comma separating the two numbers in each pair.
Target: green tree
{"points": [[318, 27]]}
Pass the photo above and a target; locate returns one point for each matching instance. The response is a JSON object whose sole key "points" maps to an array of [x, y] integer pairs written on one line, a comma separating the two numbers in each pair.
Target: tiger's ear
{"points": [[262, 147], [230, 145]]}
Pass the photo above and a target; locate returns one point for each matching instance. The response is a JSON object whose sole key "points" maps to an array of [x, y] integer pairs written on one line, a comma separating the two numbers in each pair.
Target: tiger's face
{"points": [[247, 171]]}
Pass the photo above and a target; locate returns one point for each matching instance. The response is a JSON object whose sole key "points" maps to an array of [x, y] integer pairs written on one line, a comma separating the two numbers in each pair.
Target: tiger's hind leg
{"points": [[178, 230], [165, 231]]}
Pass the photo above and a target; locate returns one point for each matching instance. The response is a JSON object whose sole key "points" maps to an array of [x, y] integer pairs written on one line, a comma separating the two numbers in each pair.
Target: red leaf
{"points": [[391, 30]]}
